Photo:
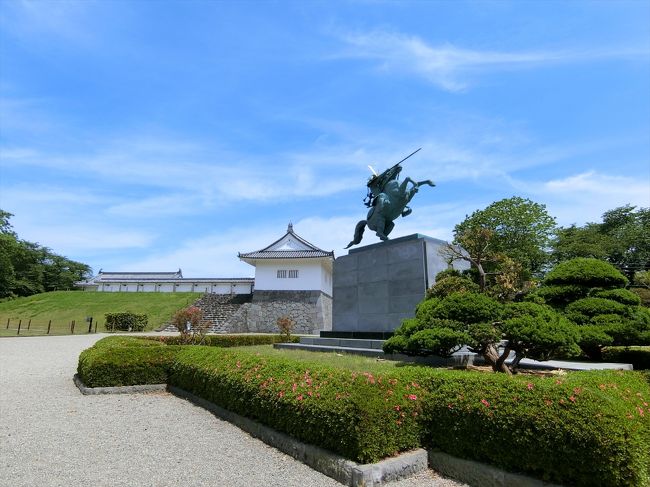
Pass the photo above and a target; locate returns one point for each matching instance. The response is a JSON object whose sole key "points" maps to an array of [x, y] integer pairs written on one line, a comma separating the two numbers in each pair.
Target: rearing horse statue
{"points": [[387, 199]]}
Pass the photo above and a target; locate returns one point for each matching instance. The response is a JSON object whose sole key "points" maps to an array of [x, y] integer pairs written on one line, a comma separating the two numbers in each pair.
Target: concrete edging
{"points": [[480, 474], [345, 471], [90, 391], [341, 469]]}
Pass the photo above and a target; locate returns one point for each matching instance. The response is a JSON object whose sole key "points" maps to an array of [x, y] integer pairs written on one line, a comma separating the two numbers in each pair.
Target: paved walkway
{"points": [[52, 435]]}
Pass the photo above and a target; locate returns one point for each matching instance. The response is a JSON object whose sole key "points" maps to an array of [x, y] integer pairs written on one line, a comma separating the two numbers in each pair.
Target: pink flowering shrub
{"points": [[585, 428], [362, 416], [582, 429]]}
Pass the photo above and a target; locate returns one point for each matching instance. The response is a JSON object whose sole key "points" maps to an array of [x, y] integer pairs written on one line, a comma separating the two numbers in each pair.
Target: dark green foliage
{"points": [[469, 308], [622, 239], [644, 295], [583, 429], [360, 416], [586, 429], [622, 296], [560, 295], [124, 361], [452, 284], [585, 272], [521, 230], [536, 338], [639, 357], [442, 326], [225, 341], [125, 321], [448, 273], [425, 311], [396, 344], [538, 332], [440, 341], [583, 310], [590, 293], [29, 268]]}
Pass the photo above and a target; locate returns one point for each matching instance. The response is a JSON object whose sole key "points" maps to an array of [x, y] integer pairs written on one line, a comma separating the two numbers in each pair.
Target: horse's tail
{"points": [[358, 233]]}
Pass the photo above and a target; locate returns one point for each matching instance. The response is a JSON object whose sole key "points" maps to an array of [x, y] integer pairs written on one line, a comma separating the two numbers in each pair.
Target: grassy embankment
{"points": [[64, 306]]}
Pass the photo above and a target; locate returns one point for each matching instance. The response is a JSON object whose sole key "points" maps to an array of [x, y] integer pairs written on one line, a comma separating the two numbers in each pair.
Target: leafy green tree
{"points": [[590, 293], [442, 326], [622, 239], [7, 274], [506, 243], [28, 268], [5, 226], [521, 229]]}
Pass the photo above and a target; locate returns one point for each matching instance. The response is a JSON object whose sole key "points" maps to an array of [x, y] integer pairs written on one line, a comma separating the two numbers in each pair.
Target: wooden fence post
{"points": [[48, 326], [90, 326], [8, 320], [20, 322], [72, 327], [95, 327], [29, 324]]}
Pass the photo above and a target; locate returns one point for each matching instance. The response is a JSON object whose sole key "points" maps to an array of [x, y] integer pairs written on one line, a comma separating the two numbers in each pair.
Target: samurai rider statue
{"points": [[387, 199]]}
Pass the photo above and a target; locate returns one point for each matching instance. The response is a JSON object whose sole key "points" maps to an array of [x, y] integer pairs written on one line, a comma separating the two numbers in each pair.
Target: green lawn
{"points": [[64, 306], [355, 363]]}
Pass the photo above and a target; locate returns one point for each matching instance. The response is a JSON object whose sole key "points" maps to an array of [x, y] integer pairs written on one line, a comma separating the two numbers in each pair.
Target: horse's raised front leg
{"points": [[428, 181]]}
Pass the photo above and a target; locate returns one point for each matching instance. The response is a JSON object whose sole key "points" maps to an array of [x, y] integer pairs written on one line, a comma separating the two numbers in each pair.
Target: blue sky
{"points": [[153, 135]]}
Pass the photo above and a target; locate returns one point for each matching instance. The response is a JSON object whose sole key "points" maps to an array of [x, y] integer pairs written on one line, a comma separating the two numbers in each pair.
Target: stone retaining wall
{"points": [[310, 310]]}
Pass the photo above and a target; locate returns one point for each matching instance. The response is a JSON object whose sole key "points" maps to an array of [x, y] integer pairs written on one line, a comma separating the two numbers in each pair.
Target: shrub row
{"points": [[639, 357], [352, 414], [586, 428], [125, 361], [126, 321], [226, 341]]}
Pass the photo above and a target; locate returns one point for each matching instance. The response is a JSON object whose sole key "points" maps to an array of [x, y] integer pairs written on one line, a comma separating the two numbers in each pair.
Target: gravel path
{"points": [[52, 435]]}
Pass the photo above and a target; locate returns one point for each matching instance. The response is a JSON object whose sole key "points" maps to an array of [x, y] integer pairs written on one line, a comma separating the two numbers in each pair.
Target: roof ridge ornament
{"points": [[290, 228]]}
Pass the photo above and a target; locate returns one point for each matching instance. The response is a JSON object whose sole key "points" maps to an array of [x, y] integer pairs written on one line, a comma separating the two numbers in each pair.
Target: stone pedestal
{"points": [[379, 285]]}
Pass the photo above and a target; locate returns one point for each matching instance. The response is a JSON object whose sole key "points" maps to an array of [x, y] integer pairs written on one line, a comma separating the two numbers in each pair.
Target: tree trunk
{"points": [[491, 355], [482, 279]]}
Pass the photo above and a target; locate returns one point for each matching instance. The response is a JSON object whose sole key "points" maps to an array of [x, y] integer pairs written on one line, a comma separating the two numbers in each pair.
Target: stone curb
{"points": [[345, 471], [340, 469], [90, 391], [480, 474]]}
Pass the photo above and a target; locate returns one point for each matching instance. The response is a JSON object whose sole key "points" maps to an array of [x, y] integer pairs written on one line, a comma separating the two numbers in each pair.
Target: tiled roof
{"points": [[180, 279], [139, 275], [289, 246], [286, 254]]}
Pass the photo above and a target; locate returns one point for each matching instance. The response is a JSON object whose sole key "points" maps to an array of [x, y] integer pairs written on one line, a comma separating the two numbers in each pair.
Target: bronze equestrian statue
{"points": [[387, 199]]}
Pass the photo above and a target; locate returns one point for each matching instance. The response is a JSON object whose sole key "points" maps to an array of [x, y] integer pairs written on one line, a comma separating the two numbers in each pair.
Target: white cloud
{"points": [[75, 239], [593, 183], [447, 66], [169, 205], [215, 255], [584, 197]]}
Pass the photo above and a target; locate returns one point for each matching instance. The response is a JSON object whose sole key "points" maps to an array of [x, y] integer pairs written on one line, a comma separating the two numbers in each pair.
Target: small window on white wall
{"points": [[282, 274], [293, 274]]}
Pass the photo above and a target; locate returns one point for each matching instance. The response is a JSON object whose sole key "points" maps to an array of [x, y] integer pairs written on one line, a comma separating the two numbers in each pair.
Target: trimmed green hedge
{"points": [[639, 357], [226, 341], [585, 428], [125, 321], [359, 416], [125, 361], [586, 272]]}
